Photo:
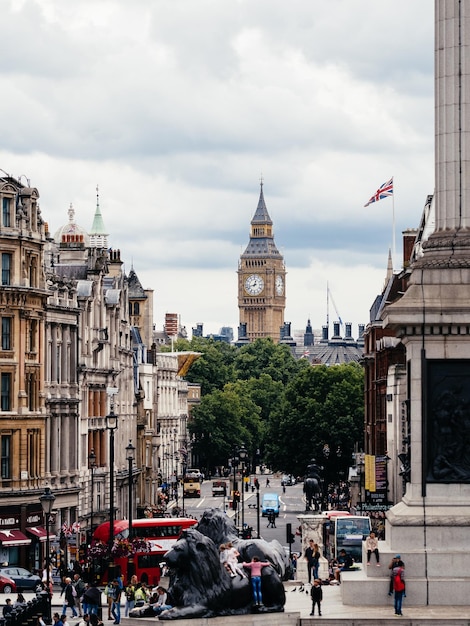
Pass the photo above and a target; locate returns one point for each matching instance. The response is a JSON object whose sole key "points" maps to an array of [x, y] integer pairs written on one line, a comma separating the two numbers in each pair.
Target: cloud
{"points": [[176, 109]]}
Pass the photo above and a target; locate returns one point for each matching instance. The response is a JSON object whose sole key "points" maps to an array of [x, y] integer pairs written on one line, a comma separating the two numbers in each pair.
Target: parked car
{"points": [[23, 578], [287, 480], [7, 585]]}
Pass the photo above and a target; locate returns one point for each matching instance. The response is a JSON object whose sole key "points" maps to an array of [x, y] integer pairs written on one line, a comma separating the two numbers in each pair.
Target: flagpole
{"points": [[393, 227]]}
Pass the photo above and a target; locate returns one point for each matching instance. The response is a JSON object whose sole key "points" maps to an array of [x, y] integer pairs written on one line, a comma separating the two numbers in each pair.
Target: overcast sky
{"points": [[176, 108]]}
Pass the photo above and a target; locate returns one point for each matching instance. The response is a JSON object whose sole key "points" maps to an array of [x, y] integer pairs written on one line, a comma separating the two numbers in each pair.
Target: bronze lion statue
{"points": [[220, 528], [200, 586]]}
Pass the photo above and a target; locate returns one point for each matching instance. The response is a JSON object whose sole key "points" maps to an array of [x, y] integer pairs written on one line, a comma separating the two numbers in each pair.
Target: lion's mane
{"points": [[200, 585]]}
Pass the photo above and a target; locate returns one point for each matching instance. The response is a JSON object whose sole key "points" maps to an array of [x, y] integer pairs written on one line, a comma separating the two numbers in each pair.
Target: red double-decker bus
{"points": [[159, 532]]}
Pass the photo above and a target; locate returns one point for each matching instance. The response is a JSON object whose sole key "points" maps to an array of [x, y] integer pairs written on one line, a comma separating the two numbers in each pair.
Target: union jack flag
{"points": [[384, 191]]}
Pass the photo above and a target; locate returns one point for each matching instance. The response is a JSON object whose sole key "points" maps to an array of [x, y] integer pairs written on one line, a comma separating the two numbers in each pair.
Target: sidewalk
{"points": [[334, 612]]}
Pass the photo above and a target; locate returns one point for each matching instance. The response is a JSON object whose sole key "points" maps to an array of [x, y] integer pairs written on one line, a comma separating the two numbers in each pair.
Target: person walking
{"points": [[399, 586], [70, 594], [372, 545], [316, 593], [79, 586], [312, 556], [271, 520], [116, 605], [255, 567], [92, 600]]}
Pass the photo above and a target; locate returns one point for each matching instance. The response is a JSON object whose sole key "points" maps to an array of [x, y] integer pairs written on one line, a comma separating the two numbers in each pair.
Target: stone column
{"points": [[430, 527], [311, 528]]}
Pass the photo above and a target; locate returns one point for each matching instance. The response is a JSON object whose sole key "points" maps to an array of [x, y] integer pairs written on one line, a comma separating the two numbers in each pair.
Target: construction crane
{"points": [[329, 296]]}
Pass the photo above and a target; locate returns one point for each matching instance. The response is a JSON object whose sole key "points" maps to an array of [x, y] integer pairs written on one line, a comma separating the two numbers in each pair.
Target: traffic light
{"points": [[289, 536]]}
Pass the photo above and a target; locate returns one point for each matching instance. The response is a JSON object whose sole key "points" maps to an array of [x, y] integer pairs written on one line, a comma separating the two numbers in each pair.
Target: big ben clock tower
{"points": [[261, 281]]}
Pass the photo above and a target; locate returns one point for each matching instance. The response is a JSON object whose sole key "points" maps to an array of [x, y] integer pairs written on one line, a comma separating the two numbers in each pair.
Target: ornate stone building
{"points": [[261, 281], [23, 415]]}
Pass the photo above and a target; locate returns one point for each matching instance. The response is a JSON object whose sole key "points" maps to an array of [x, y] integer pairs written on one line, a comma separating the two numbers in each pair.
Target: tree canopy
{"points": [[282, 409]]}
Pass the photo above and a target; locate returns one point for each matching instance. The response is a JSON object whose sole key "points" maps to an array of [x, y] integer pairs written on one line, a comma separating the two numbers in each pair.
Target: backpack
{"points": [[398, 583]]}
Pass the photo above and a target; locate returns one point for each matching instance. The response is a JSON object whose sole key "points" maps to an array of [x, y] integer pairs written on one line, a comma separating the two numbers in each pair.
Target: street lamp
{"points": [[242, 453], [111, 425], [92, 465], [130, 449], [257, 507], [47, 502], [235, 486]]}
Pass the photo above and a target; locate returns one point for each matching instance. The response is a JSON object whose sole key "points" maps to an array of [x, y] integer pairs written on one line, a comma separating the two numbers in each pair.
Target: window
{"points": [[31, 390], [32, 330], [5, 456], [6, 212], [6, 333], [5, 399], [6, 268]]}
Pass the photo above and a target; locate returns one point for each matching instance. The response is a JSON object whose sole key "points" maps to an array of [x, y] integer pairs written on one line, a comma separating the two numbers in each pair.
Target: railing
{"points": [[29, 613]]}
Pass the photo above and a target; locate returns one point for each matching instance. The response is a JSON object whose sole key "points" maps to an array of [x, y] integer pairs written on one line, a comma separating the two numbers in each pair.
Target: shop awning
{"points": [[13, 537], [39, 532]]}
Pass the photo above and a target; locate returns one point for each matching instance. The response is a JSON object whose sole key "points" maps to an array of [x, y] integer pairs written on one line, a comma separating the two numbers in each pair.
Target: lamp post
{"points": [[47, 502], [111, 425], [257, 508], [92, 465], [242, 454], [235, 487], [130, 449]]}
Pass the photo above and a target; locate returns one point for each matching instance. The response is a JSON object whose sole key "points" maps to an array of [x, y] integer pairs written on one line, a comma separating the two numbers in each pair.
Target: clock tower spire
{"points": [[261, 280]]}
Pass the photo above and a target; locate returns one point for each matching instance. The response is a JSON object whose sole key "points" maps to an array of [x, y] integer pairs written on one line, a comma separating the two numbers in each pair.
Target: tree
{"points": [[263, 356], [321, 405], [215, 368], [224, 420]]}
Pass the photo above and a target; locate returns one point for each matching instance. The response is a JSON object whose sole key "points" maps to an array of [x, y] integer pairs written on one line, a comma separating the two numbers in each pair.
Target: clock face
{"points": [[254, 284], [279, 285]]}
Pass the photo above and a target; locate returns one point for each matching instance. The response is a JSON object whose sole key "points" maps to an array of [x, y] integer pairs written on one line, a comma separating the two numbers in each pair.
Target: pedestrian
{"points": [[20, 601], [312, 556], [255, 567], [316, 593], [293, 563], [232, 555], [345, 562], [63, 619], [130, 595], [91, 600], [95, 621], [399, 585], [85, 621], [393, 563], [70, 594], [271, 520], [141, 596], [116, 605], [8, 608], [267, 482], [372, 545], [109, 593], [162, 603], [57, 620], [79, 586]]}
